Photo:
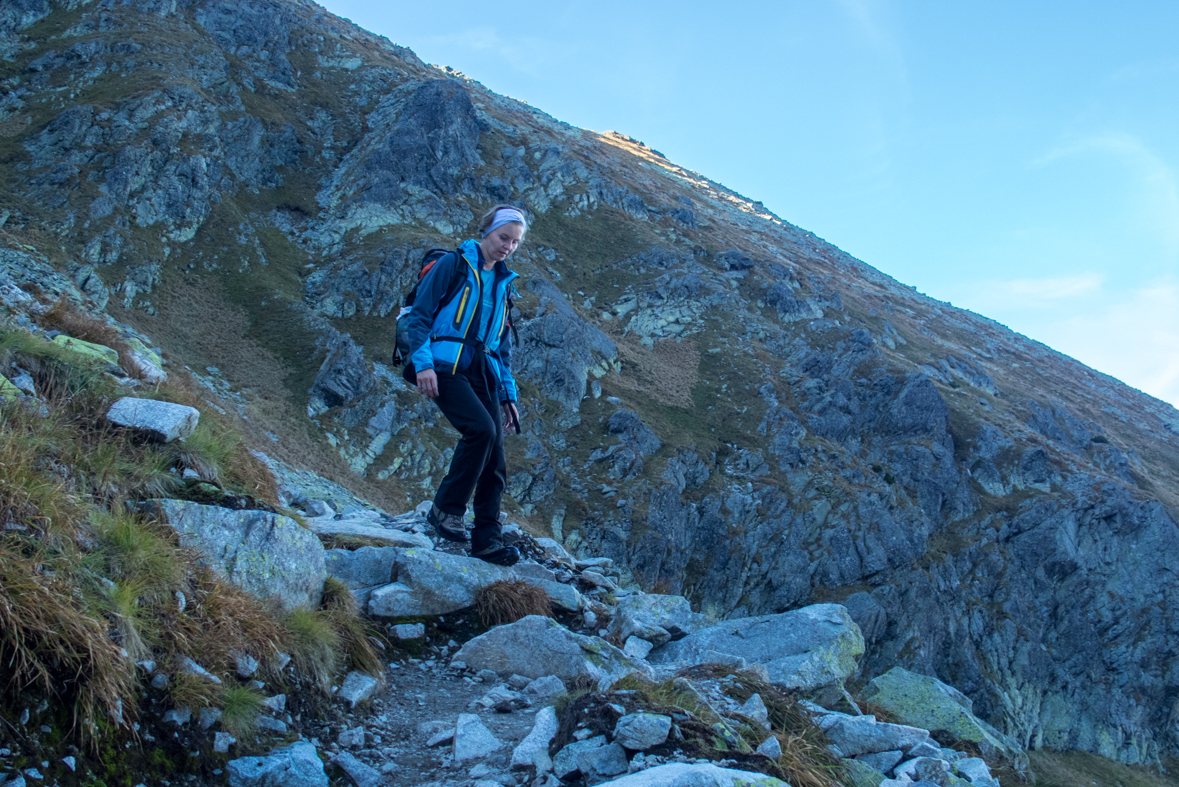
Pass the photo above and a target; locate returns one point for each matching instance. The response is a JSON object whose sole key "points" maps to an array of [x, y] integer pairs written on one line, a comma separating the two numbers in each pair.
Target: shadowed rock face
{"points": [[434, 140], [729, 407]]}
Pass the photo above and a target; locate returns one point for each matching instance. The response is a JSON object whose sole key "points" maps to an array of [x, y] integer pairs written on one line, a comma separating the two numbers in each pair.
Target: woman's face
{"points": [[502, 241]]}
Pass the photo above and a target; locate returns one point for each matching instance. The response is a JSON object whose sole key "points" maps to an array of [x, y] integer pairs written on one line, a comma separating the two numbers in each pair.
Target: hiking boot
{"points": [[498, 553], [448, 526]]}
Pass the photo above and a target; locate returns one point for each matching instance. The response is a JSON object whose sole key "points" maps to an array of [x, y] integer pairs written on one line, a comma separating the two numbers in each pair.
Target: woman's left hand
{"points": [[511, 417]]}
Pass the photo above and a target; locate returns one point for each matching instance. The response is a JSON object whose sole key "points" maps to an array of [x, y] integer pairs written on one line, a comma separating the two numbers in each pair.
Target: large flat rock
{"points": [[269, 555], [804, 649], [682, 774], [366, 528], [160, 421], [438, 583], [537, 646]]}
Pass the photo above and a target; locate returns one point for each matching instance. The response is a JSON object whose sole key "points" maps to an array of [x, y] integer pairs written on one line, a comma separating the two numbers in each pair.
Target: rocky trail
{"points": [[544, 703]]}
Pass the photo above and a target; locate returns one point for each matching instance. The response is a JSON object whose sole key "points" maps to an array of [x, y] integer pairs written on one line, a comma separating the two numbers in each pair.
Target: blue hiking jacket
{"points": [[431, 341]]}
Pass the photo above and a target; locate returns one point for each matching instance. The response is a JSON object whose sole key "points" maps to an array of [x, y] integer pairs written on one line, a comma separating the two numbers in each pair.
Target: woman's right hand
{"points": [[428, 383]]}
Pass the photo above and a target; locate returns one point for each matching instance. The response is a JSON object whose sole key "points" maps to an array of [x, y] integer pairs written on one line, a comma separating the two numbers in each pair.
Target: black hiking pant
{"points": [[470, 401]]}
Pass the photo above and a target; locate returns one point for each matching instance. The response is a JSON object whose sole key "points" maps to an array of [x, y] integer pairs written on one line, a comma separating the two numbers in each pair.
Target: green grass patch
{"points": [[1085, 769]]}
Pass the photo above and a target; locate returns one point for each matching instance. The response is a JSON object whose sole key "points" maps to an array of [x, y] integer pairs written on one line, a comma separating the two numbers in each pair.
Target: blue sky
{"points": [[1015, 159]]}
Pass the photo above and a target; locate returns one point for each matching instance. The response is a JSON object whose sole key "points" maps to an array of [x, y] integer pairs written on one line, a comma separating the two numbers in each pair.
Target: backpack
{"points": [[402, 351]]}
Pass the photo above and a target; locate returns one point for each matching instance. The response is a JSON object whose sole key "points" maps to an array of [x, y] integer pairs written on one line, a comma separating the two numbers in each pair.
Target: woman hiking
{"points": [[462, 353]]}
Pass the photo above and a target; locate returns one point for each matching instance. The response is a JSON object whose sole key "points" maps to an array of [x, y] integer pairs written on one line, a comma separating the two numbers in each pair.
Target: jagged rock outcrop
{"points": [[253, 182]]}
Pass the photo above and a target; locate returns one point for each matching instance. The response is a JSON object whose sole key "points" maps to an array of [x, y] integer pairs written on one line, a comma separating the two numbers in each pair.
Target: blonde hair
{"points": [[489, 218]]}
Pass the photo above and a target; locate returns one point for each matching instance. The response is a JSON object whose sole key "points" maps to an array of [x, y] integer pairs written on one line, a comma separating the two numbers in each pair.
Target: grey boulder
{"points": [[437, 583], [161, 421], [924, 701], [594, 759], [537, 646], [655, 617], [269, 555], [856, 735], [297, 765], [681, 774], [805, 649]]}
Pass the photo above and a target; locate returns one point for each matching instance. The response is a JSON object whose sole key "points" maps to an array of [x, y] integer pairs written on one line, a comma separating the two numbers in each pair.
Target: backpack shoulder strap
{"points": [[456, 279]]}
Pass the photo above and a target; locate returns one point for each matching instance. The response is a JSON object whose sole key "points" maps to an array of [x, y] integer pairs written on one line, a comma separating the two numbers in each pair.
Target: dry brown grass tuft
{"points": [[507, 601], [49, 643], [221, 620], [361, 641]]}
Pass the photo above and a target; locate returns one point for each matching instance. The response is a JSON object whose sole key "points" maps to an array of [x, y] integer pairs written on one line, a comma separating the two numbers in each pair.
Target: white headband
{"points": [[505, 216]]}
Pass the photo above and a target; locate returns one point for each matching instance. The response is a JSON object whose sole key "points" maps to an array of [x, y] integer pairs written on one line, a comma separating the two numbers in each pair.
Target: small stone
{"points": [[275, 704], [282, 659], [975, 771], [472, 740], [246, 665], [358, 688], [70, 763], [408, 631], [883, 761], [925, 749], [546, 687], [351, 739], [177, 716], [191, 667], [487, 676], [771, 747], [637, 648], [275, 726], [222, 741], [208, 717], [754, 709], [439, 738], [641, 731], [147, 666], [518, 682], [543, 731], [924, 769], [361, 774], [160, 681]]}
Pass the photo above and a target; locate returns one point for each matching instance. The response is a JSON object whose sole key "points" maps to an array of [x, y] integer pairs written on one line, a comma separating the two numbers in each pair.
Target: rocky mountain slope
{"points": [[725, 405]]}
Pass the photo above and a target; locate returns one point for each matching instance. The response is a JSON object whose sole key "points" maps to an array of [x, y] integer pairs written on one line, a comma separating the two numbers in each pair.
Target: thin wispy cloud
{"points": [[1135, 338], [870, 18], [534, 57], [995, 296], [1052, 288], [1159, 187]]}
